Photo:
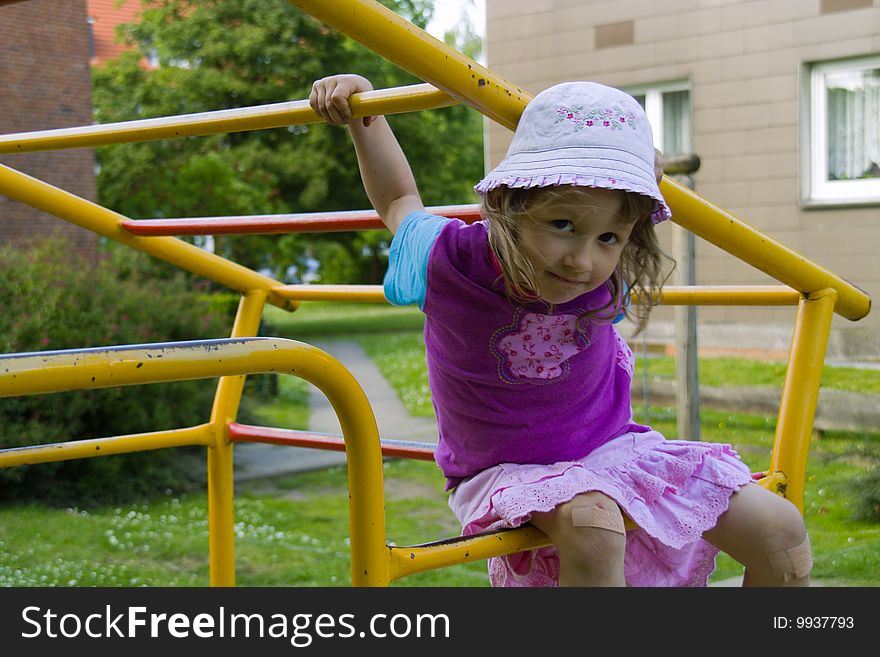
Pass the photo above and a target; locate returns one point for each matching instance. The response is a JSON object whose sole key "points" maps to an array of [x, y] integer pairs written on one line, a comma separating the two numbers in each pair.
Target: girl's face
{"points": [[575, 245]]}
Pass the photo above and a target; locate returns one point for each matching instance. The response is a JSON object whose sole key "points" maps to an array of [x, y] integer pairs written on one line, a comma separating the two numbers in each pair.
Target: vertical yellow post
{"points": [[801, 392], [221, 537], [370, 558]]}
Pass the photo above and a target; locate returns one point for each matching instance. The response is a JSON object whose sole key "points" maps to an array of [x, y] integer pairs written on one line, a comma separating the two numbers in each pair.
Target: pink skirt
{"points": [[674, 490]]}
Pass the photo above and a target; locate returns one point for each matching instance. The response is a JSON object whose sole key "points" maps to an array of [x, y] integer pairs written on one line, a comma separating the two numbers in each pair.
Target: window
{"points": [[668, 107], [841, 133], [90, 21]]}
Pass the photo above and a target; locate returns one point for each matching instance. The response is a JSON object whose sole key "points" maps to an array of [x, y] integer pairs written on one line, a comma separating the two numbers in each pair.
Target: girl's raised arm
{"points": [[386, 175]]}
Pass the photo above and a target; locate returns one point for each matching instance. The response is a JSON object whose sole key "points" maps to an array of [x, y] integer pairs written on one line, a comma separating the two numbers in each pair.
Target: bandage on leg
{"points": [[596, 516], [794, 563]]}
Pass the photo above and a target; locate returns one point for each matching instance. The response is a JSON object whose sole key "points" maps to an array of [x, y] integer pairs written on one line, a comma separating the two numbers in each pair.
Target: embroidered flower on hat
{"points": [[613, 117], [575, 133]]}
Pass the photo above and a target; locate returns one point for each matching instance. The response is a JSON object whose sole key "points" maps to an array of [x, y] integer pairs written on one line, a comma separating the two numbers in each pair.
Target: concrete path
{"points": [[254, 460]]}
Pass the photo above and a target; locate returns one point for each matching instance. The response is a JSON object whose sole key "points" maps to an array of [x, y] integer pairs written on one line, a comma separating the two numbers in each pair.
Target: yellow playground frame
{"points": [[450, 78]]}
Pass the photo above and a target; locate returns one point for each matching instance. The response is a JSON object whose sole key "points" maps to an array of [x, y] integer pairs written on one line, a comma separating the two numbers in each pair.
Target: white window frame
{"points": [[816, 189], [653, 94]]}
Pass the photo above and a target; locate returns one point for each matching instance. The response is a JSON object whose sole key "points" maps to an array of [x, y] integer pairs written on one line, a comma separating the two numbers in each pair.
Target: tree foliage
{"points": [[219, 54]]}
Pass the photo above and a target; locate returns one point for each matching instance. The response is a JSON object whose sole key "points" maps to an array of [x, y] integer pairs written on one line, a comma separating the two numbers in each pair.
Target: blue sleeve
{"points": [[627, 301], [406, 280]]}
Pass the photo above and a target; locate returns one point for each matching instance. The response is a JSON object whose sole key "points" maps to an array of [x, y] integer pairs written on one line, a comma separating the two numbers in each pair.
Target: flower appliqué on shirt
{"points": [[536, 348], [613, 117], [625, 358]]}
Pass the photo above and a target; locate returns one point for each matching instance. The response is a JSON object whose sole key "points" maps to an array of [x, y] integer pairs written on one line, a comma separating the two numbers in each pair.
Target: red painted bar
{"points": [[272, 224], [248, 433]]}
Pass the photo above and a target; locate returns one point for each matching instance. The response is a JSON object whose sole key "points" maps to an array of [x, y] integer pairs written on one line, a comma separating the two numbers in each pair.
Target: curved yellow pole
{"points": [[42, 372]]}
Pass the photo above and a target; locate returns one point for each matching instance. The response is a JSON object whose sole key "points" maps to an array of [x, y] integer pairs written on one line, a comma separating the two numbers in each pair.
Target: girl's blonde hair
{"points": [[640, 269]]}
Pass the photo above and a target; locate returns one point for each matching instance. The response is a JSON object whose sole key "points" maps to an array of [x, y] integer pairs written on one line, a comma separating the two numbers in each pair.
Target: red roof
{"points": [[104, 16]]}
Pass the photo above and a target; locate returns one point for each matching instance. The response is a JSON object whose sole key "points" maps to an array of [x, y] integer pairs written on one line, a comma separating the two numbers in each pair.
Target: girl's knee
{"points": [[792, 564], [792, 522], [589, 524], [594, 510], [783, 525], [590, 538], [761, 517], [767, 534], [793, 558]]}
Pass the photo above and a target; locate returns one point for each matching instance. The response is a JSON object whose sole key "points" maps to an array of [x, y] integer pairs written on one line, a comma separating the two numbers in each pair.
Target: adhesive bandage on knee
{"points": [[793, 563], [596, 516]]}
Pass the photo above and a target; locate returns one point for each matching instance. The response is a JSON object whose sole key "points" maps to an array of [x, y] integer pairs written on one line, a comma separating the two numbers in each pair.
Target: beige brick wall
{"points": [[743, 60]]}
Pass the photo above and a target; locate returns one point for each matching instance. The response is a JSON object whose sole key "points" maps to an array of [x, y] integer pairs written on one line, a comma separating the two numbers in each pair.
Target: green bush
{"points": [[52, 300], [867, 496]]}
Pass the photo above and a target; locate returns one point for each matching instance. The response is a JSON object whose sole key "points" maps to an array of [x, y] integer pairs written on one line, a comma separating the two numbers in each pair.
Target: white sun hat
{"points": [[583, 134]]}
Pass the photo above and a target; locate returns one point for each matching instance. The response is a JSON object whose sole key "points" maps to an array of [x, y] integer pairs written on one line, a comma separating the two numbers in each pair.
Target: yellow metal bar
{"points": [[415, 559], [407, 560], [80, 449], [801, 392], [356, 293], [743, 241], [708, 295], [79, 211], [404, 44], [775, 483], [401, 42], [701, 295], [42, 372], [106, 367], [394, 100], [221, 502]]}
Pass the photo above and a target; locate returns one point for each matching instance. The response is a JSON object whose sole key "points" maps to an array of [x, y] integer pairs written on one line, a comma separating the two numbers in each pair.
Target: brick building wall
{"points": [[743, 61], [45, 83]]}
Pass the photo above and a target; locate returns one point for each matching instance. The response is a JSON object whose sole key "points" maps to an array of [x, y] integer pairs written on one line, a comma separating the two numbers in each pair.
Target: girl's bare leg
{"points": [[766, 534], [589, 536]]}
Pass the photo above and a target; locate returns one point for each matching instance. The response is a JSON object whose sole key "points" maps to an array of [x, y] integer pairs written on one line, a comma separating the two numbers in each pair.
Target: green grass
{"points": [[743, 372], [293, 530], [323, 319], [401, 359], [288, 410]]}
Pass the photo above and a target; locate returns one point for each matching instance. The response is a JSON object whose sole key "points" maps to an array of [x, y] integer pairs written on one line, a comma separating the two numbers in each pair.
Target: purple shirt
{"points": [[510, 383]]}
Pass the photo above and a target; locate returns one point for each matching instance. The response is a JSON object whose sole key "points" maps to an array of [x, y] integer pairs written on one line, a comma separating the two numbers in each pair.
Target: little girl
{"points": [[529, 378]]}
